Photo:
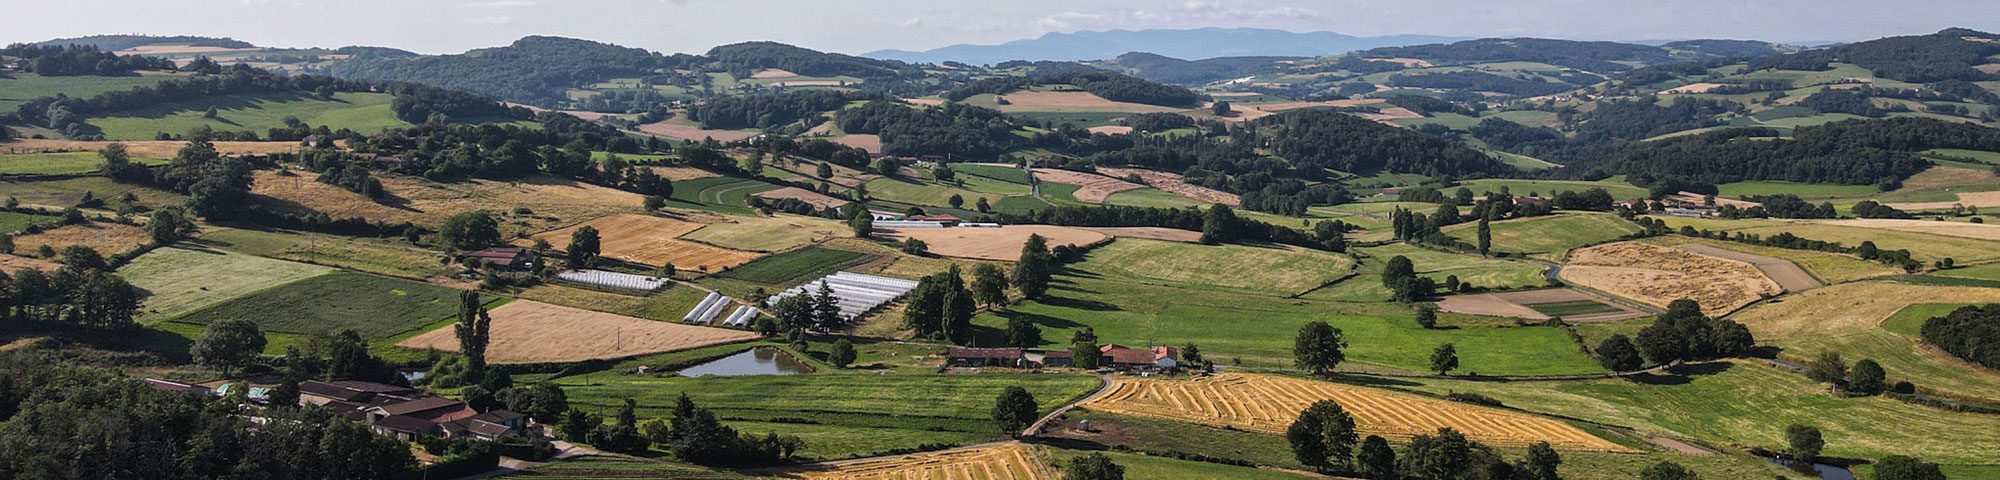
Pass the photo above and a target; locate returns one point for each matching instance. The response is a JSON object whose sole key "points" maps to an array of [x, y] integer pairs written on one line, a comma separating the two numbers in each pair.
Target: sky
{"points": [[857, 26]]}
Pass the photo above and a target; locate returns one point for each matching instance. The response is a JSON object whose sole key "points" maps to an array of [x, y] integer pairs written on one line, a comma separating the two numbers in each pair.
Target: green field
{"points": [[1548, 188], [996, 172], [12, 222], [599, 467], [1434, 264], [926, 193], [1894, 346], [1990, 271], [1803, 190], [797, 266], [721, 194], [855, 412], [375, 306], [1153, 198], [1147, 466], [387, 257], [65, 163], [1547, 237], [1273, 270], [69, 191], [184, 278], [22, 87], [1259, 329], [1749, 403], [258, 113]]}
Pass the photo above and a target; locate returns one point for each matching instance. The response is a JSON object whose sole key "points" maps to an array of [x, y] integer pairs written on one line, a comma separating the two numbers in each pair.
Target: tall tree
{"points": [[1485, 235], [228, 344], [1318, 348], [1014, 410], [470, 230], [1444, 358], [1323, 436], [1376, 459], [1866, 377], [472, 329], [1543, 461], [1803, 442], [1023, 333], [989, 286], [1093, 466], [1617, 354], [1083, 349], [842, 353], [1898, 467], [1032, 272], [583, 248]]}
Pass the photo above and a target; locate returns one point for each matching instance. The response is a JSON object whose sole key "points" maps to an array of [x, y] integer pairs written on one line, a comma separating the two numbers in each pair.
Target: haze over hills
{"points": [[1190, 44]]}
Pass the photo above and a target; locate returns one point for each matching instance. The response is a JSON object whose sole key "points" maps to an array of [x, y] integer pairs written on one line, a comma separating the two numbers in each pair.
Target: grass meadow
{"points": [[63, 163], [257, 113], [377, 307], [188, 277], [1547, 237]]}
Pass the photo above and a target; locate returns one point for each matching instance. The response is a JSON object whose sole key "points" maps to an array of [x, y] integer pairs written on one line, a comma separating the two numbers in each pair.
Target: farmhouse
{"points": [[985, 357], [947, 220], [1135, 359], [1058, 358], [399, 412], [503, 258]]}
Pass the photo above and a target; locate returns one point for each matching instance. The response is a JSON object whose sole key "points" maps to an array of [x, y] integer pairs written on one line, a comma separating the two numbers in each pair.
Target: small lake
{"points": [[1826, 472], [755, 361]]}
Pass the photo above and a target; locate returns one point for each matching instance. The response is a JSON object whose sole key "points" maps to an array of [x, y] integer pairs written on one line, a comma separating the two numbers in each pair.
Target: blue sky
{"points": [[854, 26]]}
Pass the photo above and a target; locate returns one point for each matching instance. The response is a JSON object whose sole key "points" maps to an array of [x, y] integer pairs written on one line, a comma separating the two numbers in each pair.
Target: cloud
{"points": [[1066, 20], [499, 4], [489, 20], [912, 22], [1216, 9]]}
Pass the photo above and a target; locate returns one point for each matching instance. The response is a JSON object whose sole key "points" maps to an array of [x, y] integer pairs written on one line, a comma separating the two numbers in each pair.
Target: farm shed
{"points": [[985, 357]]}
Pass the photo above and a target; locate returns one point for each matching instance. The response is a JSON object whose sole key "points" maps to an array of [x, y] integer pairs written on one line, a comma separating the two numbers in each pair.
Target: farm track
{"points": [[1788, 275]]}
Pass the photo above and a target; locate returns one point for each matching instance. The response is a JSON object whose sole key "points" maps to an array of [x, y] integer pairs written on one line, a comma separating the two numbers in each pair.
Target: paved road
{"points": [[1036, 429]]}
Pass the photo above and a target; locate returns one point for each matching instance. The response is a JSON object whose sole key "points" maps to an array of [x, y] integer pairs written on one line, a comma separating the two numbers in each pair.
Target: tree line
{"points": [[72, 60]]}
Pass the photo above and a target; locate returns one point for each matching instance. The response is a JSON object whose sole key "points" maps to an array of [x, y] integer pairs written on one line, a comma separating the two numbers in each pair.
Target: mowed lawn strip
{"points": [[377, 307], [187, 277]]}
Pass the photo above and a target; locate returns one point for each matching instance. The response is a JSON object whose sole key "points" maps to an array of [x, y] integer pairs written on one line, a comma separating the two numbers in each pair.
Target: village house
{"points": [[1135, 359], [400, 412]]}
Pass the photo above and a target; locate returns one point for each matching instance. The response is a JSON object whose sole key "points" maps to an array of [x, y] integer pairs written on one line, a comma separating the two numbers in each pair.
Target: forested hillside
{"points": [[531, 69]]}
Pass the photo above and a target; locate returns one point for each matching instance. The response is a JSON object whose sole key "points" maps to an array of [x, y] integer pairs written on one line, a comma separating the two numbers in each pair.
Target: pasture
{"points": [[387, 257], [1268, 269], [649, 240], [11, 222], [1434, 264], [526, 331], [374, 306], [1548, 188], [1924, 246], [1269, 403], [188, 277], [1547, 237], [925, 193], [1749, 403], [991, 243], [858, 413], [361, 112], [1656, 275], [1895, 344], [767, 234], [1151, 197], [721, 194], [19, 88], [68, 191], [1175, 184], [1092, 188], [66, 163], [1849, 307], [1259, 329]]}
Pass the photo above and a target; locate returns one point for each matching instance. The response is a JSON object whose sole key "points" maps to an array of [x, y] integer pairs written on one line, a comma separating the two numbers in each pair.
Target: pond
{"points": [[755, 361], [1825, 471]]}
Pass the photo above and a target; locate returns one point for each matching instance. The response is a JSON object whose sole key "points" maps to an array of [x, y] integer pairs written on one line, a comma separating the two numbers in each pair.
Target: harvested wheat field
{"points": [[817, 199], [105, 237], [1269, 403], [526, 331], [1392, 113], [1110, 129], [691, 132], [1283, 106], [682, 173], [1150, 233], [1789, 275], [552, 199], [141, 149], [1011, 461], [1702, 87], [869, 142], [1092, 188], [1956, 229], [1849, 307], [1071, 101], [10, 263], [1656, 275], [302, 192], [773, 73], [994, 243], [649, 240], [1172, 183]]}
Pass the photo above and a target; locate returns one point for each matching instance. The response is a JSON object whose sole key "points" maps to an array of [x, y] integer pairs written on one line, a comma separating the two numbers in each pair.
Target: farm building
{"points": [[1135, 359], [1058, 358], [985, 357], [400, 412], [944, 219], [503, 258]]}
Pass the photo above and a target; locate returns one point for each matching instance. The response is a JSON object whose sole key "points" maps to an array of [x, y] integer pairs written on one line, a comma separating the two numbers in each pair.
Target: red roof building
{"points": [[504, 258], [1003, 357]]}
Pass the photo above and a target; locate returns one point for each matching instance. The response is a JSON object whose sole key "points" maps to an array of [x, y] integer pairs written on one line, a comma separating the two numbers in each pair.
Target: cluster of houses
{"points": [[1688, 205], [392, 411], [1112, 356]]}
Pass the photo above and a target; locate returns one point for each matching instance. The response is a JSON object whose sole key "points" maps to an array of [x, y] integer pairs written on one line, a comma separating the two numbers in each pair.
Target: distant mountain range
{"points": [[1191, 44]]}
